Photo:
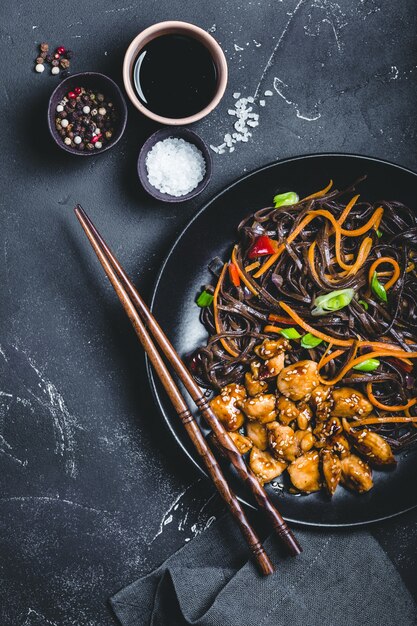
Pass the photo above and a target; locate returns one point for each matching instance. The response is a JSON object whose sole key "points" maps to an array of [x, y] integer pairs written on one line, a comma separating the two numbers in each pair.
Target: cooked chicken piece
{"points": [[340, 445], [356, 474], [242, 443], [254, 368], [304, 472], [282, 441], [319, 395], [371, 445], [308, 441], [305, 439], [273, 366], [304, 416], [321, 402], [270, 348], [272, 351], [225, 408], [349, 402], [254, 385], [324, 430], [331, 469], [257, 434], [297, 381], [261, 407], [264, 466], [287, 410]]}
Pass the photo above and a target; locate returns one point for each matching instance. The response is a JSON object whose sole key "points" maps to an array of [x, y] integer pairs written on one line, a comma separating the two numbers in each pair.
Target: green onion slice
{"points": [[333, 301], [367, 366], [285, 199], [364, 304], [204, 299], [309, 341], [378, 288], [290, 333]]}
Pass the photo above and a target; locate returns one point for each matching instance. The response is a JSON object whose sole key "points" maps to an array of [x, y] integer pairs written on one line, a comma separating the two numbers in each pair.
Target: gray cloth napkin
{"points": [[340, 579]]}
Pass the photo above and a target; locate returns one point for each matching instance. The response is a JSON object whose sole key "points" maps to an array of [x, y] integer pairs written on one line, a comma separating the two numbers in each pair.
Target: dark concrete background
{"points": [[93, 492]]}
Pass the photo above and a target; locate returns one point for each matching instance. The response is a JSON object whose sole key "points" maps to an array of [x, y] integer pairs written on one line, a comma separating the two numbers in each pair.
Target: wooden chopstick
{"points": [[229, 448], [180, 406]]}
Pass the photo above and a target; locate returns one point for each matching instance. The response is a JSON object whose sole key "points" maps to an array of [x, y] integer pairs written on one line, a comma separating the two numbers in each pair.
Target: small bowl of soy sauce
{"points": [[175, 73]]}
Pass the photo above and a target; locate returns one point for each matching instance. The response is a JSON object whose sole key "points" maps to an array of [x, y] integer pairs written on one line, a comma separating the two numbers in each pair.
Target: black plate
{"points": [[185, 271]]}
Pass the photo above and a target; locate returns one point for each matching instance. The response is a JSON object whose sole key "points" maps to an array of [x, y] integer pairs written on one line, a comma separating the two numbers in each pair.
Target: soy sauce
{"points": [[175, 76]]}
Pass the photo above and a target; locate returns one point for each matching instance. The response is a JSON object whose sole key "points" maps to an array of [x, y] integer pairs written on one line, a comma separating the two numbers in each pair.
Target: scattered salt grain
{"points": [[262, 103], [175, 166], [236, 95], [268, 92]]}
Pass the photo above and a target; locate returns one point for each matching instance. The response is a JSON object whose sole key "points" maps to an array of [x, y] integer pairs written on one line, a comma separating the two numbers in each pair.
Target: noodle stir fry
{"points": [[313, 338]]}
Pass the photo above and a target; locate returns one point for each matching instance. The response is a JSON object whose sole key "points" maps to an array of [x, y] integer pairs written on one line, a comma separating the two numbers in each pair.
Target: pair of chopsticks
{"points": [[143, 321]]}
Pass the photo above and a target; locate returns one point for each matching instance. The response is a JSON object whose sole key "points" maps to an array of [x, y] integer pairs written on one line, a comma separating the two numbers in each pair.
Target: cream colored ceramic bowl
{"points": [[169, 28]]}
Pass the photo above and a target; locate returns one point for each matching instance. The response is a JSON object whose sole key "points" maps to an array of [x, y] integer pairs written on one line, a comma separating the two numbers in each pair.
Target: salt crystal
{"points": [[236, 95], [231, 111], [262, 103], [175, 166], [268, 92]]}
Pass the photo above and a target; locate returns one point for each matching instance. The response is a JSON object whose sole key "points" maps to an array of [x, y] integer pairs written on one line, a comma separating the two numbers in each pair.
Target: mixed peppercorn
{"points": [[85, 119], [59, 61]]}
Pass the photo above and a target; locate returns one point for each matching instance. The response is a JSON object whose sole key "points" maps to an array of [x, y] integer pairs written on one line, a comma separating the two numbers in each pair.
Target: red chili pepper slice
{"points": [[234, 275], [263, 246]]}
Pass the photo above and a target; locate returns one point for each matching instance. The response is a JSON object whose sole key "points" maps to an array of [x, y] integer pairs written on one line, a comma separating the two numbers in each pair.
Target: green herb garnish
{"points": [[367, 366], [204, 299], [378, 233], [290, 333], [309, 341], [285, 199], [364, 304], [378, 288], [333, 301]]}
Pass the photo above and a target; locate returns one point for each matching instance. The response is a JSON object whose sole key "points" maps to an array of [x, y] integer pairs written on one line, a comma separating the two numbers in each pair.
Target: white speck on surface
{"points": [[236, 95], [262, 103], [120, 9], [212, 29], [282, 90], [33, 618], [394, 72], [63, 423], [268, 93], [257, 44], [237, 48], [278, 45]]}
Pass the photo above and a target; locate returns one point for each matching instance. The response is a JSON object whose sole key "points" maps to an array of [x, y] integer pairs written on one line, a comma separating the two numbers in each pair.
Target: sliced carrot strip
{"points": [[395, 275], [339, 231], [319, 194], [363, 254], [365, 357], [386, 407], [345, 343], [217, 322], [252, 266], [243, 274], [383, 420], [347, 209], [269, 328]]}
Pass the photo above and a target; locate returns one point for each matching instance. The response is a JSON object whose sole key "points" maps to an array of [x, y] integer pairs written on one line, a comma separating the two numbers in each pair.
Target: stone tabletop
{"points": [[93, 491]]}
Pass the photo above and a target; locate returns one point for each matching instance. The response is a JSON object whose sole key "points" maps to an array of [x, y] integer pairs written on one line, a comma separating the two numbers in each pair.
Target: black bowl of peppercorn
{"points": [[87, 114]]}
